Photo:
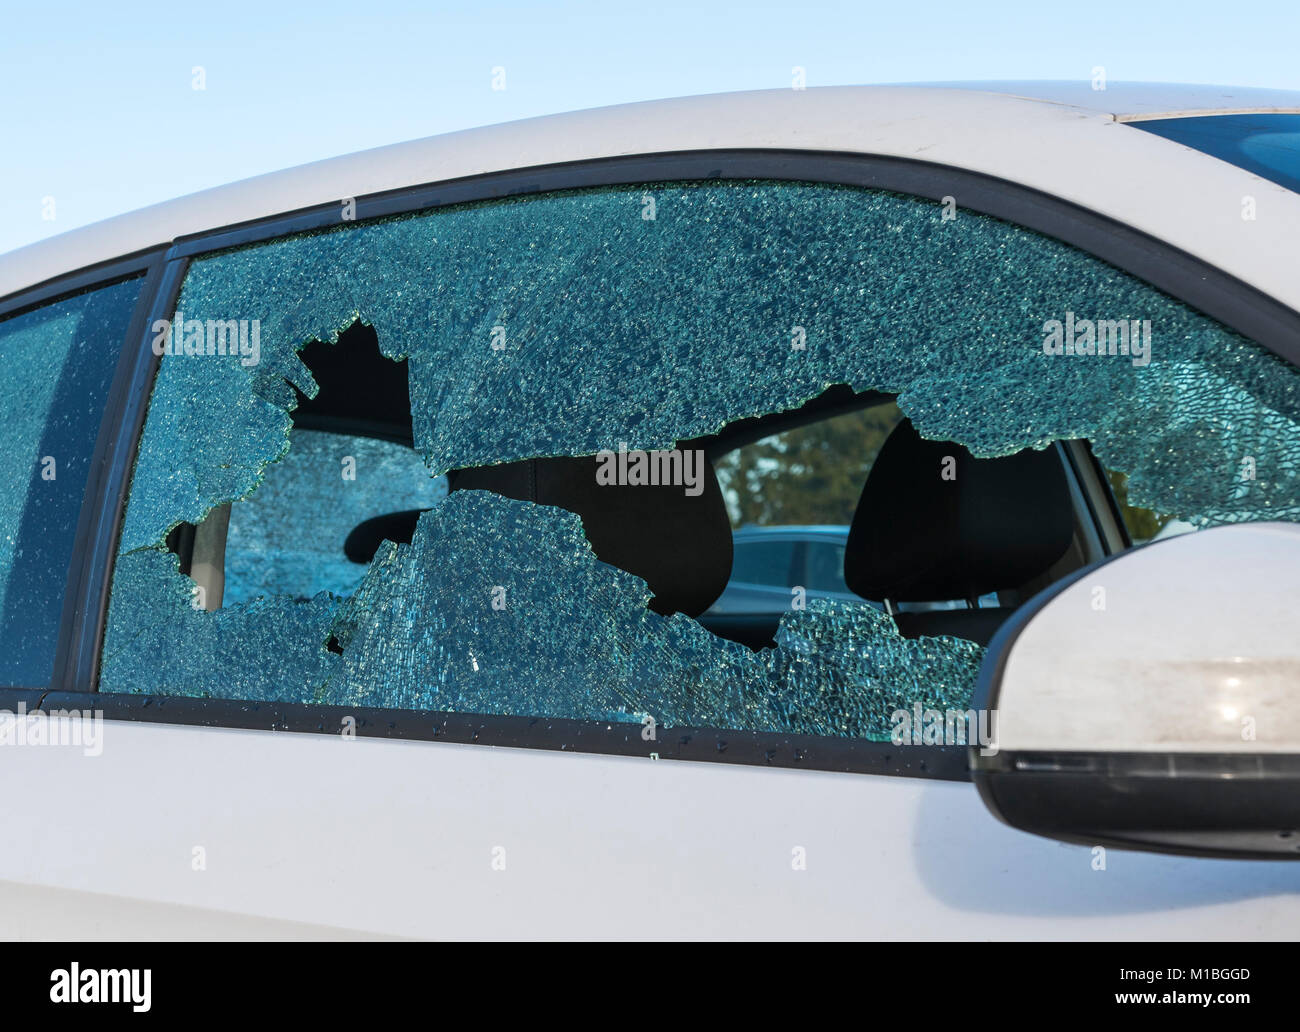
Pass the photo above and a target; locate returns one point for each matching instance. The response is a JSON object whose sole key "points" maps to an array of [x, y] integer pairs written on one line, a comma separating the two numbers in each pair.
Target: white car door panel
{"points": [[398, 838]]}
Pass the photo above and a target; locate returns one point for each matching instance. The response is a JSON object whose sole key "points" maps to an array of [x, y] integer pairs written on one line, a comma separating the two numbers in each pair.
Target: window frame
{"points": [[1219, 295]]}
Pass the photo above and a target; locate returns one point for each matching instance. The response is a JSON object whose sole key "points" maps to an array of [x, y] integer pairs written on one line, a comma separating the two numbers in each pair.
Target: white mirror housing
{"points": [[1153, 700]]}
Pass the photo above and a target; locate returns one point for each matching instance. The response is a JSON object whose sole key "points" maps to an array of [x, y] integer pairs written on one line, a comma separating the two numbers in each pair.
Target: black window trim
{"points": [[1229, 300], [85, 606], [78, 281]]}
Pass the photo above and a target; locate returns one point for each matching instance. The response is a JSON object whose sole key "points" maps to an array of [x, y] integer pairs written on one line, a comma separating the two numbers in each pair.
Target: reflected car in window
{"points": [[771, 564]]}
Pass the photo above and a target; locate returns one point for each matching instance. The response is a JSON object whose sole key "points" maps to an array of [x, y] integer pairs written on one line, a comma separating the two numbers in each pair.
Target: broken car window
{"points": [[555, 338]]}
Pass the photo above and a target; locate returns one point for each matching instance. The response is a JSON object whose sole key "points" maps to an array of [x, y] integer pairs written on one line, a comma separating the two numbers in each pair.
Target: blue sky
{"points": [[100, 112]]}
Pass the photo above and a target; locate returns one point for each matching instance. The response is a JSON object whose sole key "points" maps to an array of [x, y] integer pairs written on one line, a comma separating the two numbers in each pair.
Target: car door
{"points": [[510, 723]]}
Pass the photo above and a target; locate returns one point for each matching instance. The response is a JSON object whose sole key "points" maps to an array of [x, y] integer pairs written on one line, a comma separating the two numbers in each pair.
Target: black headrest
{"points": [[680, 544], [365, 538], [934, 522]]}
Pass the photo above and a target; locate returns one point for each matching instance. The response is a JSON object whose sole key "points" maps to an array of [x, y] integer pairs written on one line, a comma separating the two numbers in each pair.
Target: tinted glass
{"points": [[763, 562], [825, 562], [288, 538], [1268, 145], [59, 362]]}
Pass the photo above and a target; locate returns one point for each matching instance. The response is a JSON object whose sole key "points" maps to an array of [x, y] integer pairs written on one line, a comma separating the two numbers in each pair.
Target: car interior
{"points": [[932, 524]]}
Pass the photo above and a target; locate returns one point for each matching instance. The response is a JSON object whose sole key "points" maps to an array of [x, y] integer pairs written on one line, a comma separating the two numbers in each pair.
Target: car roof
{"points": [[1065, 139], [1137, 101]]}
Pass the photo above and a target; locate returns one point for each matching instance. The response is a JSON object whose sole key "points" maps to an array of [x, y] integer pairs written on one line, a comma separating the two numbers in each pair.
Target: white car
{"points": [[358, 519]]}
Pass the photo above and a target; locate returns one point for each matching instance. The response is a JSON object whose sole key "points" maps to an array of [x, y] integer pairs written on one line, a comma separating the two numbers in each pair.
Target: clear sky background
{"points": [[99, 110]]}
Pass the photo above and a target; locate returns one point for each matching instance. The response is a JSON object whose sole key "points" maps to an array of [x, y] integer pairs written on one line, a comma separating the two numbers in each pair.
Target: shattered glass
{"points": [[427, 610], [287, 538], [568, 323], [59, 361], [656, 330], [159, 644]]}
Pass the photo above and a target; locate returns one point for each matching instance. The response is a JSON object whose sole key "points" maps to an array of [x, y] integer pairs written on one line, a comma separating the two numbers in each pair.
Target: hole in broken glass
{"points": [[525, 560], [350, 459]]}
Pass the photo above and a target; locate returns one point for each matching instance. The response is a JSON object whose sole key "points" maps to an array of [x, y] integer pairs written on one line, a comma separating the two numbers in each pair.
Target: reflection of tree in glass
{"points": [[1142, 524], [810, 475]]}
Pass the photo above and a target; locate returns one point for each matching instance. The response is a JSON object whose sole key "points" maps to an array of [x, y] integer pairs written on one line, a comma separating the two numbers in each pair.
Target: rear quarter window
{"points": [[59, 361]]}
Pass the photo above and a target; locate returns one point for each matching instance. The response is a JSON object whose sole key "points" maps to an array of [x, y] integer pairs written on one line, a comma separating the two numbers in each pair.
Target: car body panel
{"points": [[1079, 154], [1135, 101], [389, 837]]}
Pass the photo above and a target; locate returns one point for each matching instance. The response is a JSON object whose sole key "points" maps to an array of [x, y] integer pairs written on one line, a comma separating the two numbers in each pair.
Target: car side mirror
{"points": [[1152, 701]]}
